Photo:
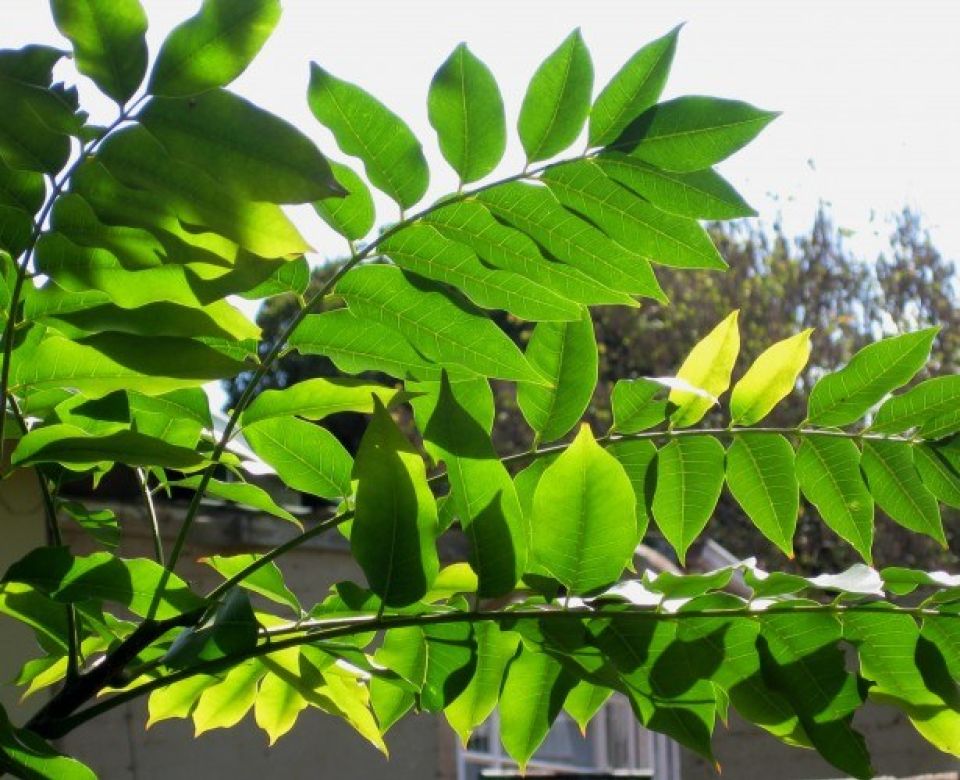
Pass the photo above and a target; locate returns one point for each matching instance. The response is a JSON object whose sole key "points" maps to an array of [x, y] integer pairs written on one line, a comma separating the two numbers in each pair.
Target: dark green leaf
{"points": [[466, 110], [109, 43], [566, 352], [395, 517], [451, 664], [557, 100], [365, 128], [693, 132], [211, 49], [25, 755], [939, 468]]}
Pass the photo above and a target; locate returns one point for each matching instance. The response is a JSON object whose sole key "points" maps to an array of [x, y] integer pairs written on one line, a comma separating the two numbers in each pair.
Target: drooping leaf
{"points": [[306, 456], [473, 706], [566, 352], [769, 379], [281, 696], [845, 396], [247, 150], [708, 367], [358, 344], [698, 194], [634, 88], [403, 652], [224, 705], [761, 474], [132, 582], [689, 480], [451, 664], [423, 250], [897, 488], [584, 522], [557, 100], [109, 43], [939, 468], [693, 132], [211, 49], [454, 421], [436, 324], [351, 215], [908, 672], [634, 406], [533, 693], [178, 699], [242, 493], [639, 459], [395, 515], [652, 234], [538, 213], [466, 110], [584, 702], [828, 469], [365, 128], [932, 408], [314, 399]]}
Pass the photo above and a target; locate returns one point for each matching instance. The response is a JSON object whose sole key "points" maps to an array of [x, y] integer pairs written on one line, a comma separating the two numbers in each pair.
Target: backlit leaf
{"points": [[769, 379], [707, 367]]}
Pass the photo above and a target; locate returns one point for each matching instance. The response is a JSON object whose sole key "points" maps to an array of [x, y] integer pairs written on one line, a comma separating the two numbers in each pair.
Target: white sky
{"points": [[868, 88]]}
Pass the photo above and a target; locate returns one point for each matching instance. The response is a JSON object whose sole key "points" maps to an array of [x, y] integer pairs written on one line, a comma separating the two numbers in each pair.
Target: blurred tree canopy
{"points": [[781, 285]]}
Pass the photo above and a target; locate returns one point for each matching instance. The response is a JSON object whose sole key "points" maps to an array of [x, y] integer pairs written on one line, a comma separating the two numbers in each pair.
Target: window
{"points": [[614, 741]]}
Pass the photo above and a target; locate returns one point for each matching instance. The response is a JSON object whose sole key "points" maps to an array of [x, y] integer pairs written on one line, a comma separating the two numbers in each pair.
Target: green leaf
{"points": [[533, 693], [939, 468], [395, 517], [654, 235], [352, 215], [693, 132], [132, 582], [802, 661], [571, 240], [557, 100], [584, 523], [769, 379], [267, 580], [177, 417], [499, 246], [708, 367], [356, 344], [423, 250], [495, 649], [466, 110], [178, 699], [109, 42], [639, 459], [699, 194], [845, 396], [828, 469], [689, 480], [635, 87], [241, 493], [451, 663], [225, 704], [34, 129], [139, 161], [314, 399], [931, 408], [280, 699], [404, 652], [101, 524], [455, 420], [25, 755], [584, 702], [23, 190], [211, 49], [437, 325], [761, 474], [75, 449], [908, 672], [224, 135], [305, 456], [634, 407], [365, 128], [229, 629], [895, 484], [566, 352], [98, 365]]}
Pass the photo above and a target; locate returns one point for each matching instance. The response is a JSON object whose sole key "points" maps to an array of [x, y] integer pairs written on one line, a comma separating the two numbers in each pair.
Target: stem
{"points": [[363, 624], [152, 512]]}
